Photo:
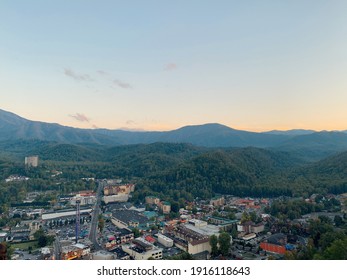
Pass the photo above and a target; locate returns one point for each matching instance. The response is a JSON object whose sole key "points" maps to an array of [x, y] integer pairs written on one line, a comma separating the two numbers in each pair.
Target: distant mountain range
{"points": [[292, 132], [309, 143], [13, 127]]}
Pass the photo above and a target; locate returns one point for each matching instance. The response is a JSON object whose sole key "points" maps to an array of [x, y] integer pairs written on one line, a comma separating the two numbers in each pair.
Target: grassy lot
{"points": [[25, 245]]}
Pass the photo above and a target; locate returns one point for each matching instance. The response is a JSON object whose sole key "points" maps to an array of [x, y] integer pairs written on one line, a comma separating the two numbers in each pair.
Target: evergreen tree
{"points": [[214, 245], [224, 243]]}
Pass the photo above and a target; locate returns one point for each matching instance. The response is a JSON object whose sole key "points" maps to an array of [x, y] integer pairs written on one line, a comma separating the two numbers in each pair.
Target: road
{"points": [[57, 248], [94, 223]]}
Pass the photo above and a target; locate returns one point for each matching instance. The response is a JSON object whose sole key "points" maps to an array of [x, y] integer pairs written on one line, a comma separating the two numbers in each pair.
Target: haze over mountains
{"points": [[312, 143]]}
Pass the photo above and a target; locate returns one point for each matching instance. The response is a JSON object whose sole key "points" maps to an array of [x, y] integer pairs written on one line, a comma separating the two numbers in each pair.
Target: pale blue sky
{"points": [[159, 65]]}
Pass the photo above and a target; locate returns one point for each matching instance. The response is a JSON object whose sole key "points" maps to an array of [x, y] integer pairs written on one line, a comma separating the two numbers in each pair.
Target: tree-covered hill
{"points": [[70, 152], [143, 160], [315, 146], [247, 171], [329, 174], [202, 172]]}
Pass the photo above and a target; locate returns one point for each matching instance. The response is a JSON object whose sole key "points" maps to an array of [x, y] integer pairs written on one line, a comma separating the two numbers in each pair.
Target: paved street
{"points": [[95, 215], [57, 248]]}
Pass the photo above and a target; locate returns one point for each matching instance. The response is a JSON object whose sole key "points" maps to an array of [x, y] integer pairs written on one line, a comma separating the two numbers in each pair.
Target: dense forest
{"points": [[164, 168]]}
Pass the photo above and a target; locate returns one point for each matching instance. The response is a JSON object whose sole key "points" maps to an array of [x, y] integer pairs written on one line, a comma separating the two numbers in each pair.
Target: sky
{"points": [[161, 65]]}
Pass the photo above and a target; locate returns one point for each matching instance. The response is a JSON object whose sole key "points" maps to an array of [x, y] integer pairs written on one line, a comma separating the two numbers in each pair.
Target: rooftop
{"points": [[278, 239], [120, 253], [223, 221], [56, 215], [128, 216], [143, 244], [193, 236], [207, 230], [122, 231], [80, 246], [150, 214], [119, 205], [164, 237]]}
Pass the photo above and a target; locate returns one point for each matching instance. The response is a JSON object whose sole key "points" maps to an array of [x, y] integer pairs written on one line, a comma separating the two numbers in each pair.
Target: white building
{"points": [[32, 161], [197, 223], [84, 200], [164, 240], [16, 178], [115, 198], [56, 215]]}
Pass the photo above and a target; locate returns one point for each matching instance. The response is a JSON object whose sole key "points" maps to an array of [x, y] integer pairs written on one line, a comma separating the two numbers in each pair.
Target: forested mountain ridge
{"points": [[201, 160], [243, 171], [13, 127], [310, 145], [184, 167]]}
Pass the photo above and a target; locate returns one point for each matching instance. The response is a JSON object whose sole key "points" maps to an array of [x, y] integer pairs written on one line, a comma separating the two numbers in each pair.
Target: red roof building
{"points": [[150, 239]]}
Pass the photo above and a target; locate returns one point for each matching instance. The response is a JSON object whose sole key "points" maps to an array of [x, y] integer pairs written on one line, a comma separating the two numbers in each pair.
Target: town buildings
{"points": [[217, 201], [120, 236], [84, 199], [124, 218], [164, 240], [250, 227], [141, 249], [164, 206], [190, 240], [117, 192]]}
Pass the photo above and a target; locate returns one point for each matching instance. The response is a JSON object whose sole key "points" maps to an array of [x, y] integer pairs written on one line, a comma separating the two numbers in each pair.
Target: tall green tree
{"points": [[42, 238], [214, 245], [245, 217], [337, 250], [338, 221], [224, 243], [42, 241], [136, 232]]}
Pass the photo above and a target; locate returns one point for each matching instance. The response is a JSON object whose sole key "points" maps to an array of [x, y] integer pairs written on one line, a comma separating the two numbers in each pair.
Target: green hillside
{"points": [[165, 167]]}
